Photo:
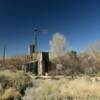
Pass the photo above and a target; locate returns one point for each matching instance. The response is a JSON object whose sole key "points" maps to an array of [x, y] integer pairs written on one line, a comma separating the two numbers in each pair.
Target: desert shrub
{"points": [[98, 74], [13, 63], [18, 80], [78, 89], [88, 64], [70, 63], [6, 78], [75, 64], [21, 82]]}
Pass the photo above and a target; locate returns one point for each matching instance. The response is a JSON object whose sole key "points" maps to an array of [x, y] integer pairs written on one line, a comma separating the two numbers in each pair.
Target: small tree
{"points": [[58, 45], [74, 62], [94, 50]]}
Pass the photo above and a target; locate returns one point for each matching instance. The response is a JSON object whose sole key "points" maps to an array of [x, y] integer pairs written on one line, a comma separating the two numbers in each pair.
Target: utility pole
{"points": [[4, 53]]}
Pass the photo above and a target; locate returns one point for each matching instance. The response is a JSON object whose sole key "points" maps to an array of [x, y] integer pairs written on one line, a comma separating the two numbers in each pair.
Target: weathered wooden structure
{"points": [[38, 63]]}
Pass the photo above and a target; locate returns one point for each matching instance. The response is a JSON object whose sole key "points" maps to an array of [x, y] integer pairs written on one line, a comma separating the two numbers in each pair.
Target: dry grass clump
{"points": [[64, 89], [84, 88], [9, 74], [11, 94], [12, 83]]}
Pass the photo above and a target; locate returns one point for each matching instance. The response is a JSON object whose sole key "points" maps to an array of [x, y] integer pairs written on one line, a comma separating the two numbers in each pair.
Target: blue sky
{"points": [[78, 20]]}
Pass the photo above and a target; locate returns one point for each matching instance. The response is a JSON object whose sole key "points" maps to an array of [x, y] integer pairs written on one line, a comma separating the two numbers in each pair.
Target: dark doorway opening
{"points": [[46, 62], [35, 67]]}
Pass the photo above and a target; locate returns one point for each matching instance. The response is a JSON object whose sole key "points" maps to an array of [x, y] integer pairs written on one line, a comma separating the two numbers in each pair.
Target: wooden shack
{"points": [[39, 62]]}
